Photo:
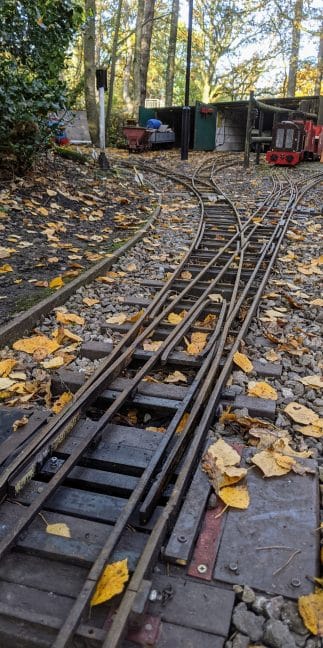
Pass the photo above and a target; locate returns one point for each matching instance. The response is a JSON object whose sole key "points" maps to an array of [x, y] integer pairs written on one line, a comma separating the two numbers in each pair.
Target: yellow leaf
{"points": [[19, 423], [261, 389], [42, 210], [236, 496], [18, 375], [6, 268], [313, 381], [315, 431], [135, 317], [232, 475], [301, 414], [36, 342], [265, 460], [53, 363], [197, 343], [151, 345], [131, 267], [243, 362], [118, 318], [182, 423], [111, 582], [208, 322], [220, 450], [6, 366], [65, 398], [317, 302], [57, 282], [5, 383], [66, 318], [90, 302], [71, 336], [51, 192], [311, 610], [155, 429], [175, 377], [59, 529], [186, 275], [173, 318], [107, 280]]}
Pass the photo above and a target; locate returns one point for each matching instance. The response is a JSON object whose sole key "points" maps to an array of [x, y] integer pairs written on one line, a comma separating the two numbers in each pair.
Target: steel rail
{"points": [[62, 424], [163, 523], [76, 612]]}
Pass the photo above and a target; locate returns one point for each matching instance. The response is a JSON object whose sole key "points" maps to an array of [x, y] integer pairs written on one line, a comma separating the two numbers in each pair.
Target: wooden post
{"points": [[248, 130]]}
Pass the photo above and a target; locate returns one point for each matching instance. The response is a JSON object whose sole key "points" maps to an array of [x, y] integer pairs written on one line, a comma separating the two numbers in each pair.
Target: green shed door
{"points": [[205, 127], [145, 114]]}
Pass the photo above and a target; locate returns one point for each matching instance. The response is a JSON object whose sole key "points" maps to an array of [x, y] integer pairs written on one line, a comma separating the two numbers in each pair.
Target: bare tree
{"points": [[89, 70], [170, 66], [294, 53], [113, 65]]}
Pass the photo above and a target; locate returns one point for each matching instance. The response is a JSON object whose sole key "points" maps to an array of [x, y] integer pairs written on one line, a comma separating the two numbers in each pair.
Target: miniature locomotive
{"points": [[295, 140]]}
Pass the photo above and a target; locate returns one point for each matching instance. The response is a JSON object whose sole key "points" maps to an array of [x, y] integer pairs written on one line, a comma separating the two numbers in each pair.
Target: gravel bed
{"points": [[153, 257]]}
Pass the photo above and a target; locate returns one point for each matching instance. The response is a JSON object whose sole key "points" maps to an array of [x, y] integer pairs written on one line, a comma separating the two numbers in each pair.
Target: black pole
{"points": [[185, 138], [260, 128], [248, 130]]}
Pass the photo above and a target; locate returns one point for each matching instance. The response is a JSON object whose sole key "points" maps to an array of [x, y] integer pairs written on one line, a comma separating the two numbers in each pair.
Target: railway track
{"points": [[116, 485]]}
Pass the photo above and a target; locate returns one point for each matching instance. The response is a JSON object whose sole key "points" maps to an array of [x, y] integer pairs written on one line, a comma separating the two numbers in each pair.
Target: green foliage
{"points": [[116, 137], [33, 43]]}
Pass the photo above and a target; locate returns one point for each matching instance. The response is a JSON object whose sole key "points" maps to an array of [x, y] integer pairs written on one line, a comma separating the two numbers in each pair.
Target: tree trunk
{"points": [[296, 37], [319, 72], [137, 56], [147, 30], [113, 66], [89, 71], [170, 66], [126, 86]]}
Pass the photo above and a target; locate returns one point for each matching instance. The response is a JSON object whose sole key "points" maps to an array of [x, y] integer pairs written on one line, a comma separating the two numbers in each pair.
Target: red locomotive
{"points": [[295, 140]]}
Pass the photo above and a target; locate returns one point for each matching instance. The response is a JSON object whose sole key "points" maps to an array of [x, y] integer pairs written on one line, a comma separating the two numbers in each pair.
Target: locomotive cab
{"points": [[287, 143]]}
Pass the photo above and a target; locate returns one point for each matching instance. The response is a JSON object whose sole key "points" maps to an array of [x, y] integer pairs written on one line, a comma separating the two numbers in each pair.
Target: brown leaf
{"points": [[61, 402], [261, 389], [197, 343], [67, 318], [19, 423], [243, 362], [301, 414]]}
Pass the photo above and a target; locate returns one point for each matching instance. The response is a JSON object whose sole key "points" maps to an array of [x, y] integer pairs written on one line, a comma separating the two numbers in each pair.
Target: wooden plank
{"points": [[83, 504], [42, 574], [160, 405], [99, 480], [126, 459], [10, 441], [28, 598]]}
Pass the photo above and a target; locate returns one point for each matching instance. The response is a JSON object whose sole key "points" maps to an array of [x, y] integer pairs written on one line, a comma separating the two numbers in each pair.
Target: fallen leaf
{"points": [[311, 610], [216, 297], [36, 342], [118, 318], [63, 400], [311, 381], [57, 282], [131, 267], [111, 582], [6, 268], [6, 366], [208, 322], [261, 389], [173, 318], [266, 461], [315, 431], [182, 423], [220, 450], [186, 275], [136, 316], [90, 302], [317, 302], [175, 377], [151, 345], [301, 414], [18, 375], [53, 363], [107, 280], [272, 356], [235, 496], [19, 423], [67, 318], [155, 429], [197, 343], [59, 529], [243, 362]]}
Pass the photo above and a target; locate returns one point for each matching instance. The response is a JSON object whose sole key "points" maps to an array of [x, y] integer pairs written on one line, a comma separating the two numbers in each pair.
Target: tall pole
{"points": [[185, 138], [101, 82], [248, 131]]}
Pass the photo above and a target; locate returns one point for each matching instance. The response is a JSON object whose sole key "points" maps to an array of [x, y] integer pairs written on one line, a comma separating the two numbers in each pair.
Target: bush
{"points": [[33, 44]]}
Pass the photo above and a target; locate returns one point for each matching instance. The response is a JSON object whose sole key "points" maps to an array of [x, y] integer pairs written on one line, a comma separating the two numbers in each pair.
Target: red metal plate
{"points": [[206, 549]]}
